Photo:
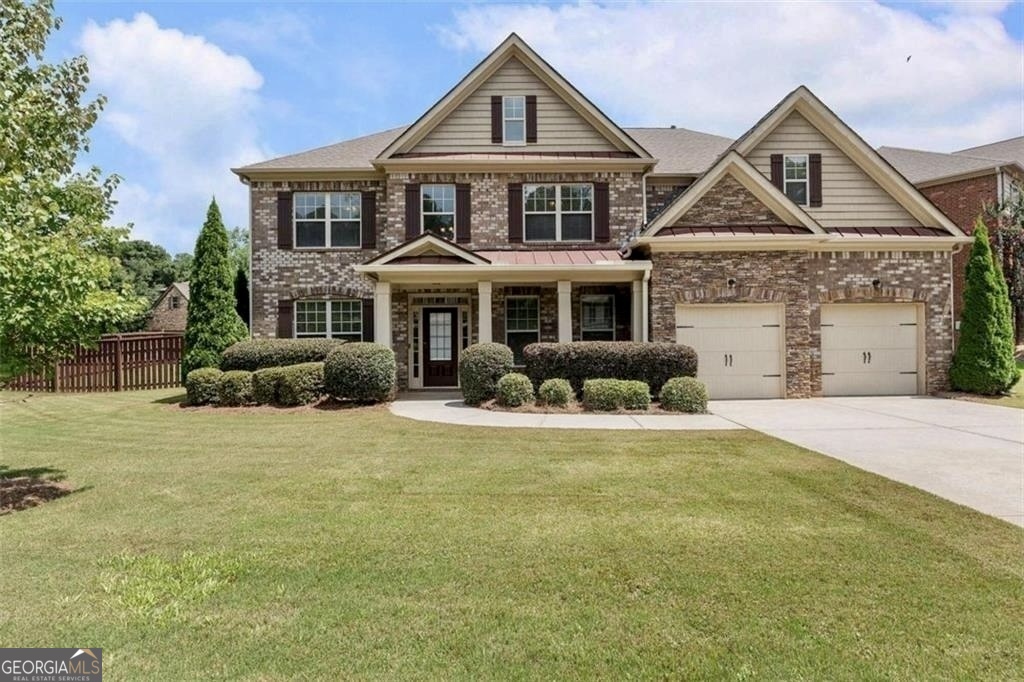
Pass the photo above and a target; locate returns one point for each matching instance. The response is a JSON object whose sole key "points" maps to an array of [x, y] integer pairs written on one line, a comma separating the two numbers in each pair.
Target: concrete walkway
{"points": [[448, 408], [970, 453]]}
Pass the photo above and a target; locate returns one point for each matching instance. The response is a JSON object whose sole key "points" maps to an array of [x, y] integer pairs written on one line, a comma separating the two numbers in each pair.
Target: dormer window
{"points": [[795, 180], [514, 120]]}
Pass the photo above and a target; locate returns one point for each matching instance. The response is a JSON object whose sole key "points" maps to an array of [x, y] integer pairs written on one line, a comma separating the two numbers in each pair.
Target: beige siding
{"points": [[468, 128], [849, 197]]}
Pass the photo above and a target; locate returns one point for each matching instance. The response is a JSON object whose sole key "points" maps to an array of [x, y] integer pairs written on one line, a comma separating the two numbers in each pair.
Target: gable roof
{"points": [[920, 166], [1004, 150], [733, 164], [180, 287], [680, 151], [427, 249], [512, 47], [354, 154]]}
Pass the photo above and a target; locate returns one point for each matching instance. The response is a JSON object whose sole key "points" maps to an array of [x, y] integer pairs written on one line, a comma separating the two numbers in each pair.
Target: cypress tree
{"points": [[213, 324], [242, 295], [983, 362]]}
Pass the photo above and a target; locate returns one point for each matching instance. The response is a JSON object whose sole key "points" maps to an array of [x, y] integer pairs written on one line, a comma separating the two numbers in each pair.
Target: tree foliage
{"points": [[984, 361], [56, 272], [1008, 245], [212, 324]]}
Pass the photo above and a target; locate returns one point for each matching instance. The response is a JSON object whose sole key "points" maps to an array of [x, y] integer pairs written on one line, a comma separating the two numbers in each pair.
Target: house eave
{"points": [[502, 272], [421, 165], [284, 174], [810, 242]]}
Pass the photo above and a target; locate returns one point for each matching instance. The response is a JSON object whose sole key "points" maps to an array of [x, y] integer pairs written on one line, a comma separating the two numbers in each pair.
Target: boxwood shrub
{"points": [[480, 367], [260, 353], [265, 385], [234, 388], [652, 363], [556, 393], [201, 385], [514, 390], [301, 384], [361, 372], [684, 394], [606, 395]]}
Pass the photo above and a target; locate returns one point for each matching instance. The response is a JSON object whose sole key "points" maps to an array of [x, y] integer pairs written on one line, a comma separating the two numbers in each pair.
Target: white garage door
{"points": [[739, 348], [869, 349]]}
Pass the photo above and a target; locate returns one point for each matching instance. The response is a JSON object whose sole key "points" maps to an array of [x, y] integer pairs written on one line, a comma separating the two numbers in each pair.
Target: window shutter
{"points": [[814, 174], [367, 319], [515, 213], [413, 217], [531, 118], [369, 220], [463, 214], [285, 328], [777, 170], [497, 136], [602, 228], [284, 220]]}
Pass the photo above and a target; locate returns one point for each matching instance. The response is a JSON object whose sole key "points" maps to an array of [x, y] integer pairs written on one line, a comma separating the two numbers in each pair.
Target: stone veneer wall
{"points": [[660, 195], [803, 282], [729, 203]]}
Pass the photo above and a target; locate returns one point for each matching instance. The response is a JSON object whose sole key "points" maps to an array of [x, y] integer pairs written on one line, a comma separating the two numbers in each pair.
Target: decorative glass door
{"points": [[440, 346]]}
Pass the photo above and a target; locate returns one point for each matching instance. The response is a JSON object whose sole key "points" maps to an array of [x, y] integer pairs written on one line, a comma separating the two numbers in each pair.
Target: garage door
{"points": [[869, 349], [739, 348]]}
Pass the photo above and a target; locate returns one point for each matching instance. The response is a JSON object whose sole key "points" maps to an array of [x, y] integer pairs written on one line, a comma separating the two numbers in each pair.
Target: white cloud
{"points": [[718, 67], [188, 109]]}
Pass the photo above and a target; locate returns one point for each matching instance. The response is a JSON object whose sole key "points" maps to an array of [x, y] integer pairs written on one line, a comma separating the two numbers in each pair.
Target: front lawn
{"points": [[277, 544]]}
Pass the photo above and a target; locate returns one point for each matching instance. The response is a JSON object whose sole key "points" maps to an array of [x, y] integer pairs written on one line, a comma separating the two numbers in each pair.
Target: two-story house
{"points": [[795, 260]]}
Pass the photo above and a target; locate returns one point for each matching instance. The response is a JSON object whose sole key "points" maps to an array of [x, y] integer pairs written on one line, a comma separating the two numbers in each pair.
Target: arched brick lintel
{"points": [[871, 293], [326, 291], [726, 294]]}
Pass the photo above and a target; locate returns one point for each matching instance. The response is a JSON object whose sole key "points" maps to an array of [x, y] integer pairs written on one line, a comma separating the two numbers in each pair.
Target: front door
{"points": [[441, 347]]}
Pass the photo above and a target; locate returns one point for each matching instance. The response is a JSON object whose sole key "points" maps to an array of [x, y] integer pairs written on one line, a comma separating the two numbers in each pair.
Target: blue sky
{"points": [[195, 88]]}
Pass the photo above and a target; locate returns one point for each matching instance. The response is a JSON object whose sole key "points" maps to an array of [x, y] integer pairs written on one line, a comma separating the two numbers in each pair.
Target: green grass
{"points": [[276, 545]]}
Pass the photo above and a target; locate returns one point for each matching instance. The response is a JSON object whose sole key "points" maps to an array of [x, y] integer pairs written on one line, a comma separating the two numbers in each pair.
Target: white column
{"points": [[637, 308], [382, 313], [484, 311], [645, 300], [564, 312]]}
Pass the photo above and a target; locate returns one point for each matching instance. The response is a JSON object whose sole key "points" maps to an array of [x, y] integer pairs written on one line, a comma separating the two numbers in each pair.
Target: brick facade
{"points": [[660, 194]]}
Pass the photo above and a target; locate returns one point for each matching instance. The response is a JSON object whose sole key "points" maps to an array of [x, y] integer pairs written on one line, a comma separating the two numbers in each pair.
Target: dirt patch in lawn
{"points": [[24, 492]]}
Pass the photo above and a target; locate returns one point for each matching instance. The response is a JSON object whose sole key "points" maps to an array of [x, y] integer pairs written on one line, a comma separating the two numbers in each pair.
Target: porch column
{"points": [[639, 332], [484, 312], [564, 312], [382, 313]]}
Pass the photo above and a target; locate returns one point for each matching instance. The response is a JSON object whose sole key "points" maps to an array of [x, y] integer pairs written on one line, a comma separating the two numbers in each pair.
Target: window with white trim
{"points": [[563, 213], [795, 178], [513, 119], [597, 317], [437, 205], [522, 324], [339, 319], [327, 220]]}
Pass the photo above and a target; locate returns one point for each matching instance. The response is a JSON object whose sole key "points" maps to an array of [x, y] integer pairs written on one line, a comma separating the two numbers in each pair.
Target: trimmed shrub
{"points": [[606, 395], [361, 372], [201, 385], [262, 353], [684, 394], [266, 384], [652, 363], [983, 362], [556, 392], [234, 388], [301, 384], [480, 367], [514, 390]]}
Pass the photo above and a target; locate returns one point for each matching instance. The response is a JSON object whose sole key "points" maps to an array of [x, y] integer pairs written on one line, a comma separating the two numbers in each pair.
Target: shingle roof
{"points": [[354, 154], [183, 288], [1006, 150], [919, 166]]}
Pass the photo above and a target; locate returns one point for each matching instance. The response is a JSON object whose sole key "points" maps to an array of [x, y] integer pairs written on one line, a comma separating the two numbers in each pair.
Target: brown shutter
{"points": [[515, 213], [497, 135], [284, 220], [814, 173], [369, 220], [602, 228], [413, 226], [367, 319], [777, 170], [462, 213], [285, 328], [531, 118]]}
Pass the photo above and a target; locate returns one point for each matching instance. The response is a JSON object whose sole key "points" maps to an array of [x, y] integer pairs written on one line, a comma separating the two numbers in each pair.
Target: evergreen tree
{"points": [[242, 295], [213, 324], [984, 361]]}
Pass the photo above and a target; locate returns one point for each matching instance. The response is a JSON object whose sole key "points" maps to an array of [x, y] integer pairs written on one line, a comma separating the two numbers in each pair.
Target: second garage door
{"points": [[739, 348], [869, 349]]}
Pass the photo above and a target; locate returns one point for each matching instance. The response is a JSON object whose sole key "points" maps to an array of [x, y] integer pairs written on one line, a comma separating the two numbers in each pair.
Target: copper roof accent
{"points": [[428, 259], [733, 230], [888, 231], [567, 257]]}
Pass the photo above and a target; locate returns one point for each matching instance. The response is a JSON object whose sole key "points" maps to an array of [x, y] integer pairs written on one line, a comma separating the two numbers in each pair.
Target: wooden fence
{"points": [[121, 362]]}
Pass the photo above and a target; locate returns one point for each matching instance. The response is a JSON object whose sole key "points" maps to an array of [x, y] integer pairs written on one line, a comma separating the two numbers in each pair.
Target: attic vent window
{"points": [[514, 119]]}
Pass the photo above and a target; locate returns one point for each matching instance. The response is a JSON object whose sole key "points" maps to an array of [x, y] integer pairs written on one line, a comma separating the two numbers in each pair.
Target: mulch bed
{"points": [[575, 408], [25, 492]]}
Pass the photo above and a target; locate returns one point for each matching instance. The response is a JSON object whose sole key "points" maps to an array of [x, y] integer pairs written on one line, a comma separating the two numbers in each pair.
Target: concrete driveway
{"points": [[970, 453]]}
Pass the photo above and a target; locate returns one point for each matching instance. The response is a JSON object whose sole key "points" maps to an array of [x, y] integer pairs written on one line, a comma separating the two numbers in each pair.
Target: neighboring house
{"points": [[170, 311], [795, 260], [963, 185]]}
